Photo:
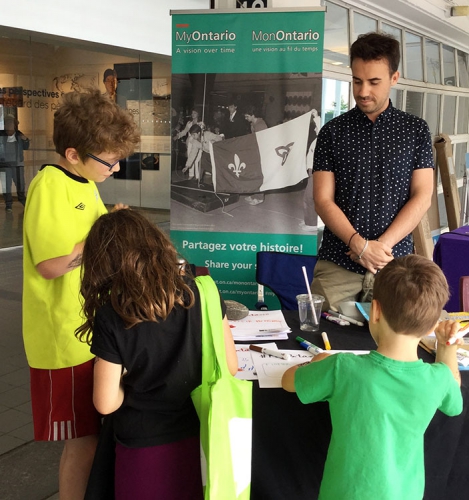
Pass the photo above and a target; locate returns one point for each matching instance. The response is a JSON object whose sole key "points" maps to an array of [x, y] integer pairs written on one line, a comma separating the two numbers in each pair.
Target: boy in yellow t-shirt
{"points": [[91, 135]]}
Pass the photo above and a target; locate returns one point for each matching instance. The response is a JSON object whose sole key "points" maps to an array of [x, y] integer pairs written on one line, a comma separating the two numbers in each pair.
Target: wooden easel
{"points": [[444, 154]]}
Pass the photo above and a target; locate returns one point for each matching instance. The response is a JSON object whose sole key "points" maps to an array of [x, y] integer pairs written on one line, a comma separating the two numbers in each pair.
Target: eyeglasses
{"points": [[109, 165]]}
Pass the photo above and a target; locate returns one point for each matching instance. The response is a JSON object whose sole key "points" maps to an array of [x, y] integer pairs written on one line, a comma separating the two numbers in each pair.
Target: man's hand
{"points": [[374, 258]]}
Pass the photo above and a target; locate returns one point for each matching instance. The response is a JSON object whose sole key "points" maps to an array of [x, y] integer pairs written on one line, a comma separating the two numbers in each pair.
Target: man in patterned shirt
{"points": [[373, 178]]}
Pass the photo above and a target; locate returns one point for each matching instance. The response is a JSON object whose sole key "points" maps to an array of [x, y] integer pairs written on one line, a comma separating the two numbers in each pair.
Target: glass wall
{"points": [[33, 77]]}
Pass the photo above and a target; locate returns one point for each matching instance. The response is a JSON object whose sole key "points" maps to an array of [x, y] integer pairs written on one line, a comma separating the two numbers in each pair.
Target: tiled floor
{"points": [[28, 470]]}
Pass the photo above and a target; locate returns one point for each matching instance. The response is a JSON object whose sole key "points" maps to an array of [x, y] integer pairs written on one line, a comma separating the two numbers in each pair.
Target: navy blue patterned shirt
{"points": [[373, 165]]}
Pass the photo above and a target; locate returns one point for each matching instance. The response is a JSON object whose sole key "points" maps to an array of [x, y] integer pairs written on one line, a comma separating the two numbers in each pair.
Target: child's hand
{"points": [[119, 206], [446, 330]]}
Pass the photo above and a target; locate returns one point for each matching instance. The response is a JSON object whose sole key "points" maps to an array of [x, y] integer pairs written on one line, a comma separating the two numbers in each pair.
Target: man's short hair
{"points": [[90, 122], [376, 46], [109, 72], [411, 291]]}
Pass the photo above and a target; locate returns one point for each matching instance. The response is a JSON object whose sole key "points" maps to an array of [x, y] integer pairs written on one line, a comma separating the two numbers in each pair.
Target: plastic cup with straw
{"points": [[309, 295]]}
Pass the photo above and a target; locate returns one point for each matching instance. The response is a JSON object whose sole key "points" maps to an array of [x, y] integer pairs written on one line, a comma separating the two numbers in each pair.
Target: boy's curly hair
{"points": [[90, 122]]}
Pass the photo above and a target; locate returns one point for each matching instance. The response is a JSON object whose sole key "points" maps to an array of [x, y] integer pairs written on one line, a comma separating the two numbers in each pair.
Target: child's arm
{"points": [[288, 378], [108, 393], [58, 266], [447, 353], [230, 349]]}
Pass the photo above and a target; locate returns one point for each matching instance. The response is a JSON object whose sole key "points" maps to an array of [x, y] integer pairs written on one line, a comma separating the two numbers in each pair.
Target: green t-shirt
{"points": [[60, 210], [380, 409]]}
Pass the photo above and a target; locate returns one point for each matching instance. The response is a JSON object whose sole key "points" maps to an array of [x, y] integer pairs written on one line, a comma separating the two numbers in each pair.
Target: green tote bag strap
{"points": [[212, 322], [224, 406]]}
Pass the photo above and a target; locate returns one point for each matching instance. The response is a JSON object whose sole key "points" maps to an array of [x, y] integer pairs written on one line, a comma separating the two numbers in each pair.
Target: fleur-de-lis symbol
{"points": [[237, 166]]}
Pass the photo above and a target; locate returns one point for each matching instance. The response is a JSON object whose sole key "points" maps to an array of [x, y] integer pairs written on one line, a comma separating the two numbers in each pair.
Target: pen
{"points": [[459, 335], [325, 338], [334, 319], [314, 349], [270, 352], [346, 318]]}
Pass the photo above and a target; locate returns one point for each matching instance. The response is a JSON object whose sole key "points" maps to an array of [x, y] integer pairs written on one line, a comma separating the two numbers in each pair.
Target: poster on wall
{"points": [[246, 95]]}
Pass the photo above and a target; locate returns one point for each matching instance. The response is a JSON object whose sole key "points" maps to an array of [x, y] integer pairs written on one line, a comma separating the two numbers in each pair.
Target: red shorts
{"points": [[62, 402]]}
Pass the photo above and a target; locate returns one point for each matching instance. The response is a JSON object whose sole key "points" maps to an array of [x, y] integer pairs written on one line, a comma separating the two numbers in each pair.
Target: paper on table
{"points": [[261, 325], [246, 370], [270, 370]]}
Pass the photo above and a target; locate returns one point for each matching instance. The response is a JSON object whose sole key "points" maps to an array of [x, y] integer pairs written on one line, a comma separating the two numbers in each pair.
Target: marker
{"points": [[314, 349], [270, 352], [334, 319], [459, 335], [325, 338], [346, 318]]}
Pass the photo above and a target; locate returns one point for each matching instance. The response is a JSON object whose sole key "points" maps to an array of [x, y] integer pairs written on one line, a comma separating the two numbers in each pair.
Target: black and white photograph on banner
{"points": [[242, 148]]}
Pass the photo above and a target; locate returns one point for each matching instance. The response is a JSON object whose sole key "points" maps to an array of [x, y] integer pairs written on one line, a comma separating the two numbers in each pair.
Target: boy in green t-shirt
{"points": [[91, 135], [381, 403]]}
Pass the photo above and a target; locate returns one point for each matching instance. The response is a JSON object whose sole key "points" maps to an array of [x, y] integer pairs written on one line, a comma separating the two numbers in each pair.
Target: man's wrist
{"points": [[351, 238], [357, 244]]}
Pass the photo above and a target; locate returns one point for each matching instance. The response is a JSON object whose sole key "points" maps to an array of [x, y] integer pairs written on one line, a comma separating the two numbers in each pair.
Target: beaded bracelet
{"points": [[363, 251], [351, 237]]}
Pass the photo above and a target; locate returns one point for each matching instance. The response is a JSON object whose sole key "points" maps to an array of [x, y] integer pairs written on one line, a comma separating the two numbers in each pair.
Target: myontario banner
{"points": [[246, 95]]}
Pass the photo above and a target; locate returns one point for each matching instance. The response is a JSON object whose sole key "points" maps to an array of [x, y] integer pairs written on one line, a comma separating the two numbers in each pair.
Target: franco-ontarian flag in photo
{"points": [[270, 159]]}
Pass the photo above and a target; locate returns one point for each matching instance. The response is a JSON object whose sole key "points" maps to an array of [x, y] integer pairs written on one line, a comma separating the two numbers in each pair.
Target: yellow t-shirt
{"points": [[60, 210]]}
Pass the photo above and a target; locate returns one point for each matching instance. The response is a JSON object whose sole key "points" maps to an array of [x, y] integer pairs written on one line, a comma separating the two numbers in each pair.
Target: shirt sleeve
{"points": [[423, 151], [452, 403], [323, 154], [49, 223], [316, 381], [103, 341]]}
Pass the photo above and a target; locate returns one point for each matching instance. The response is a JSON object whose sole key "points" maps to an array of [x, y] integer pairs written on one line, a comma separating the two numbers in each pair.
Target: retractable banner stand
{"points": [[246, 105]]}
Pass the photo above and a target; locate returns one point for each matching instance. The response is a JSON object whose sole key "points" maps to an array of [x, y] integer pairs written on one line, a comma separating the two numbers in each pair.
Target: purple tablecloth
{"points": [[452, 255]]}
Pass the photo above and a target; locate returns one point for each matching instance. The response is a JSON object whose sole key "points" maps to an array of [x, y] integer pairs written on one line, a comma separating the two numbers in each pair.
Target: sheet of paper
{"points": [[260, 325], [246, 370], [270, 370]]}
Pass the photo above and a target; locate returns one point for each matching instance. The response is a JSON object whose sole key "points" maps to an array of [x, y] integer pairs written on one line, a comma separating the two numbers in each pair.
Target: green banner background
{"points": [[231, 258], [250, 43], [267, 42]]}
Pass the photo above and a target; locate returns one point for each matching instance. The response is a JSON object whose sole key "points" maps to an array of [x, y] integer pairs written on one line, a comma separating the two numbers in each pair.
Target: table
{"points": [[452, 255], [290, 440]]}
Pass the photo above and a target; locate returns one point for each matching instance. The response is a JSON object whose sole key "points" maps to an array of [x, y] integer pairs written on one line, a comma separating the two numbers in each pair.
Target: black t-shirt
{"points": [[164, 365]]}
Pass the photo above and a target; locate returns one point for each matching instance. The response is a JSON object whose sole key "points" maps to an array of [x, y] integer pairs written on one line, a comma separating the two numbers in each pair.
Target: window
{"points": [[414, 103], [463, 116], [432, 59], [336, 36], [449, 114], [397, 98], [413, 50], [449, 66], [397, 34], [335, 98], [463, 69], [363, 24], [432, 113]]}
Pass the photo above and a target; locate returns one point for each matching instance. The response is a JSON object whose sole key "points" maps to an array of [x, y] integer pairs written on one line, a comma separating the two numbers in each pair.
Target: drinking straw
{"points": [[309, 294]]}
